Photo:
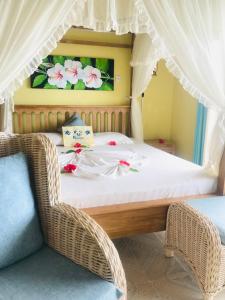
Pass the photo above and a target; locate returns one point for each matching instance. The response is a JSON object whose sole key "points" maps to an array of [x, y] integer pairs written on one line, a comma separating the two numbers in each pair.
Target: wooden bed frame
{"points": [[117, 220]]}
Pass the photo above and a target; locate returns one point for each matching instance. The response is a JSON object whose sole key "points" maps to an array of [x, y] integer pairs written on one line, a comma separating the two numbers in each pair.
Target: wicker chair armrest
{"points": [[198, 240], [77, 236]]}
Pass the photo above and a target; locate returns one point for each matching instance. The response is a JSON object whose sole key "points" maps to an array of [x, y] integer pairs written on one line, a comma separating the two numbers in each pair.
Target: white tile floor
{"points": [[151, 276]]}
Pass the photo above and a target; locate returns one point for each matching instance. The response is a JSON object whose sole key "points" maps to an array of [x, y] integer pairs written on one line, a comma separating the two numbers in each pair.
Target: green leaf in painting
{"points": [[106, 86], [41, 67], [80, 85], [86, 61], [41, 71], [47, 65], [69, 57], [45, 60], [39, 79], [59, 59], [50, 86], [68, 86], [102, 64]]}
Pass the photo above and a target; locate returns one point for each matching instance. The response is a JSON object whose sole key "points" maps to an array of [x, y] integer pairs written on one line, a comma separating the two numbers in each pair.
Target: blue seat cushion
{"points": [[20, 229], [47, 275], [214, 209], [74, 120]]}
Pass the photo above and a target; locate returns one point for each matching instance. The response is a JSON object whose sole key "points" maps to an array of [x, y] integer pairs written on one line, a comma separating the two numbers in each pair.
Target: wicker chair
{"points": [[69, 231], [197, 240]]}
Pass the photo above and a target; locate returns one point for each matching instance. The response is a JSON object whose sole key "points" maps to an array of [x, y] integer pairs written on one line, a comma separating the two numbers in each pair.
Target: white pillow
{"points": [[55, 137], [107, 138]]}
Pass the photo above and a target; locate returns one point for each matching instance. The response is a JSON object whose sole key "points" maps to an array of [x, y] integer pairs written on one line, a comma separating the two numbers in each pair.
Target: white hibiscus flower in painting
{"points": [[73, 70], [92, 77], [57, 76]]}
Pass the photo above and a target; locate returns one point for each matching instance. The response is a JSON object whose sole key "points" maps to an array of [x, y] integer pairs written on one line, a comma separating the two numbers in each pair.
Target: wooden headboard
{"points": [[46, 118]]}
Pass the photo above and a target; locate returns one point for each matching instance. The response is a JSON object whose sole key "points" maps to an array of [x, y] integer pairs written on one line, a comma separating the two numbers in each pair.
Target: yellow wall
{"points": [[103, 37], [158, 104], [169, 112], [183, 122], [122, 70]]}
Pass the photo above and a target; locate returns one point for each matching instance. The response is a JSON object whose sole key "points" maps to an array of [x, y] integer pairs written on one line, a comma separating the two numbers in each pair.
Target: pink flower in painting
{"points": [[70, 168], [73, 70], [92, 77], [112, 143], [124, 163], [57, 76]]}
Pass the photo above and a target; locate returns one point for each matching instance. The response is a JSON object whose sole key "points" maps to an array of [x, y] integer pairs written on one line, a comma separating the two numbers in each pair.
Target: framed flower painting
{"points": [[74, 73]]}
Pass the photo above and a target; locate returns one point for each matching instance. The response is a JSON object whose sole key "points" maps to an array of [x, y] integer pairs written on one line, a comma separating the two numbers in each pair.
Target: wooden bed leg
{"points": [[168, 252]]}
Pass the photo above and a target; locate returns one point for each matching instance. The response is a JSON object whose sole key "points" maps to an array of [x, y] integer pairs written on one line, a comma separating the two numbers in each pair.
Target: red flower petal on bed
{"points": [[78, 151], [112, 143], [77, 145], [124, 163], [70, 168]]}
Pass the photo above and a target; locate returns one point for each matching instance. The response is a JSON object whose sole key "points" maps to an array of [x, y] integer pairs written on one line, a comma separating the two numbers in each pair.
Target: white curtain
{"points": [[193, 34], [29, 31], [122, 16], [144, 59]]}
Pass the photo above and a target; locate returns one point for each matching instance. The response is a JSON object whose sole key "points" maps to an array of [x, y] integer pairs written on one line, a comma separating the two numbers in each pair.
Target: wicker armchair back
{"points": [[68, 230]]}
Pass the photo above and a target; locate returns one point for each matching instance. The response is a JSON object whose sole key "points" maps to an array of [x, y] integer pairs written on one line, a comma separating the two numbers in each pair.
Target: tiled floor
{"points": [[151, 276]]}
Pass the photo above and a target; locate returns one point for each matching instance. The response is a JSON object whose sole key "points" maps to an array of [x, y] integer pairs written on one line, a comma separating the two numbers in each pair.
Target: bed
{"points": [[133, 204]]}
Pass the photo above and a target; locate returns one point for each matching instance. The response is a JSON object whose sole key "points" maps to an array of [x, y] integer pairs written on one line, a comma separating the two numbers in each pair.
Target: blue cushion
{"points": [[20, 230], [74, 120], [51, 276], [214, 209]]}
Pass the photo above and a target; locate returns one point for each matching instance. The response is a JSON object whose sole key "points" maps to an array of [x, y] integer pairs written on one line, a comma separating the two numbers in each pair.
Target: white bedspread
{"points": [[160, 176], [107, 161]]}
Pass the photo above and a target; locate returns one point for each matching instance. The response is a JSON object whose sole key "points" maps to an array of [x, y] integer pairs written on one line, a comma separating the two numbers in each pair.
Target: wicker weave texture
{"points": [[196, 239], [69, 231]]}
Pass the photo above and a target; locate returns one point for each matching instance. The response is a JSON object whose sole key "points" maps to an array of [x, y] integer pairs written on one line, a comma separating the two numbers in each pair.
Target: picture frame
{"points": [[74, 73]]}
